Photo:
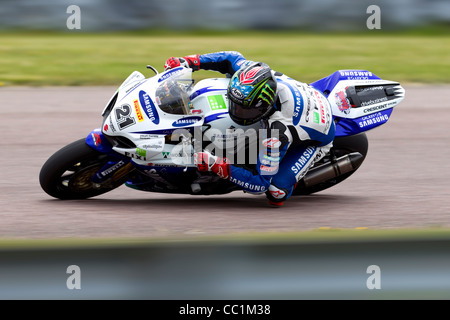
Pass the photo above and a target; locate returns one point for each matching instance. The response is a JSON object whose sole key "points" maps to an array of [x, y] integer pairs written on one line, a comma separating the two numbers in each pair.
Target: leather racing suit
{"points": [[303, 121]]}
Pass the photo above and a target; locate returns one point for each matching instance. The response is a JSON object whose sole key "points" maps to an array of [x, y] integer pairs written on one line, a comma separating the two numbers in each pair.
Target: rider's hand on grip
{"points": [[207, 162], [202, 159], [192, 62]]}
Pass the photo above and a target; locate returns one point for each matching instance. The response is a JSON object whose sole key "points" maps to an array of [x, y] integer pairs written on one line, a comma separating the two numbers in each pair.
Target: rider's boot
{"points": [[277, 196]]}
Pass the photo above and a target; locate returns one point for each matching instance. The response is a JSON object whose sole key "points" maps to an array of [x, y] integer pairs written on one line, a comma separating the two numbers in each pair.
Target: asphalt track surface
{"points": [[403, 183]]}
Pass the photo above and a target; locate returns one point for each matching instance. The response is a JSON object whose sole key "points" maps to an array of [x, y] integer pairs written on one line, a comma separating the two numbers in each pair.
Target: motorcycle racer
{"points": [[296, 118]]}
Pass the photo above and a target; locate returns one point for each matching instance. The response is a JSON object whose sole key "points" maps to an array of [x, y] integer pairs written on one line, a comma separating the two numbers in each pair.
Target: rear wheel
{"points": [[341, 147], [67, 173]]}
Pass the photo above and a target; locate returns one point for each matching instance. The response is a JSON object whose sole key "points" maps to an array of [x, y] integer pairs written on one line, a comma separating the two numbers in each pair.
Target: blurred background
{"points": [[49, 43], [317, 15]]}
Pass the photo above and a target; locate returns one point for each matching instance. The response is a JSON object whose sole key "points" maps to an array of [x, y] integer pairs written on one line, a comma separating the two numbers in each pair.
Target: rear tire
{"points": [[67, 173], [341, 147]]}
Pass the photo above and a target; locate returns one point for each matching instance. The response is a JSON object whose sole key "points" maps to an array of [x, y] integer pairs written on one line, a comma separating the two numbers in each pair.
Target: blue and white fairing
{"points": [[138, 127], [135, 122], [360, 100]]}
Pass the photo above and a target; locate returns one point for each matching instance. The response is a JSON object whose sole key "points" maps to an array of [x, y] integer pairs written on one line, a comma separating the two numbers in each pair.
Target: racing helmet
{"points": [[251, 93]]}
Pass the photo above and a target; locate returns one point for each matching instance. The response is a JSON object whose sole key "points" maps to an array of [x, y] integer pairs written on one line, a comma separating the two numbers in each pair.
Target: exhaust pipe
{"points": [[333, 169]]}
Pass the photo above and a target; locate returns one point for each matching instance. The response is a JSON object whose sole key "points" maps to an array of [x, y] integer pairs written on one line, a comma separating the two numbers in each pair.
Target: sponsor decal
{"points": [[278, 194], [165, 155], [186, 121], [135, 156], [151, 146], [164, 165], [298, 108], [376, 88], [373, 119], [271, 158], [170, 73], [237, 93], [217, 102], [375, 101], [272, 143], [221, 173], [96, 138], [112, 169], [248, 186], [137, 108], [267, 94], [316, 117], [381, 107], [148, 106], [111, 126], [148, 136], [141, 152], [273, 154], [268, 169], [132, 88], [321, 106], [342, 102], [308, 107], [304, 158], [356, 75], [105, 128]]}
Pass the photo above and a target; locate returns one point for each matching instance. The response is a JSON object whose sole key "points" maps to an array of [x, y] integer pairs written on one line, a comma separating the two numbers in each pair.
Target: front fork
{"points": [[114, 170]]}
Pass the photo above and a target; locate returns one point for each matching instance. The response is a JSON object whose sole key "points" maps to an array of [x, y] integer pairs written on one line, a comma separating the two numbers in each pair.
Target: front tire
{"points": [[67, 173]]}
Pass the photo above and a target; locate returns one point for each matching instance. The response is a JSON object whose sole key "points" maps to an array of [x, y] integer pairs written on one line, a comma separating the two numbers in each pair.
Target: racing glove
{"points": [[192, 62], [205, 161]]}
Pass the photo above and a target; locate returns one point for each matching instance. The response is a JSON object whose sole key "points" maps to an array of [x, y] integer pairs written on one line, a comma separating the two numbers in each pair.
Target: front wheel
{"points": [[67, 173]]}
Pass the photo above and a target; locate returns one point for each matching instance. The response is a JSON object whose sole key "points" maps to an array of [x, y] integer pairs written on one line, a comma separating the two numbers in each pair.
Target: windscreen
{"points": [[172, 95]]}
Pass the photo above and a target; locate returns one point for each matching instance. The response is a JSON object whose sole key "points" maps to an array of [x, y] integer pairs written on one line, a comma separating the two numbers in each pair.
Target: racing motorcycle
{"points": [[152, 127]]}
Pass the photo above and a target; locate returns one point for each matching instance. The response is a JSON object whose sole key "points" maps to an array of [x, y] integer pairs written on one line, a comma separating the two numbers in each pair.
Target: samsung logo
{"points": [[186, 121], [148, 106], [170, 73]]}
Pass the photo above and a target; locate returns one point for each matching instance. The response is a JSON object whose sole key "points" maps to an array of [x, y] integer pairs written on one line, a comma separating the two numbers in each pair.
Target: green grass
{"points": [[321, 236], [73, 58]]}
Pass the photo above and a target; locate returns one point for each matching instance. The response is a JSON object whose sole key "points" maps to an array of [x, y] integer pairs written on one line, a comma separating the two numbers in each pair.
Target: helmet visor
{"points": [[244, 115]]}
